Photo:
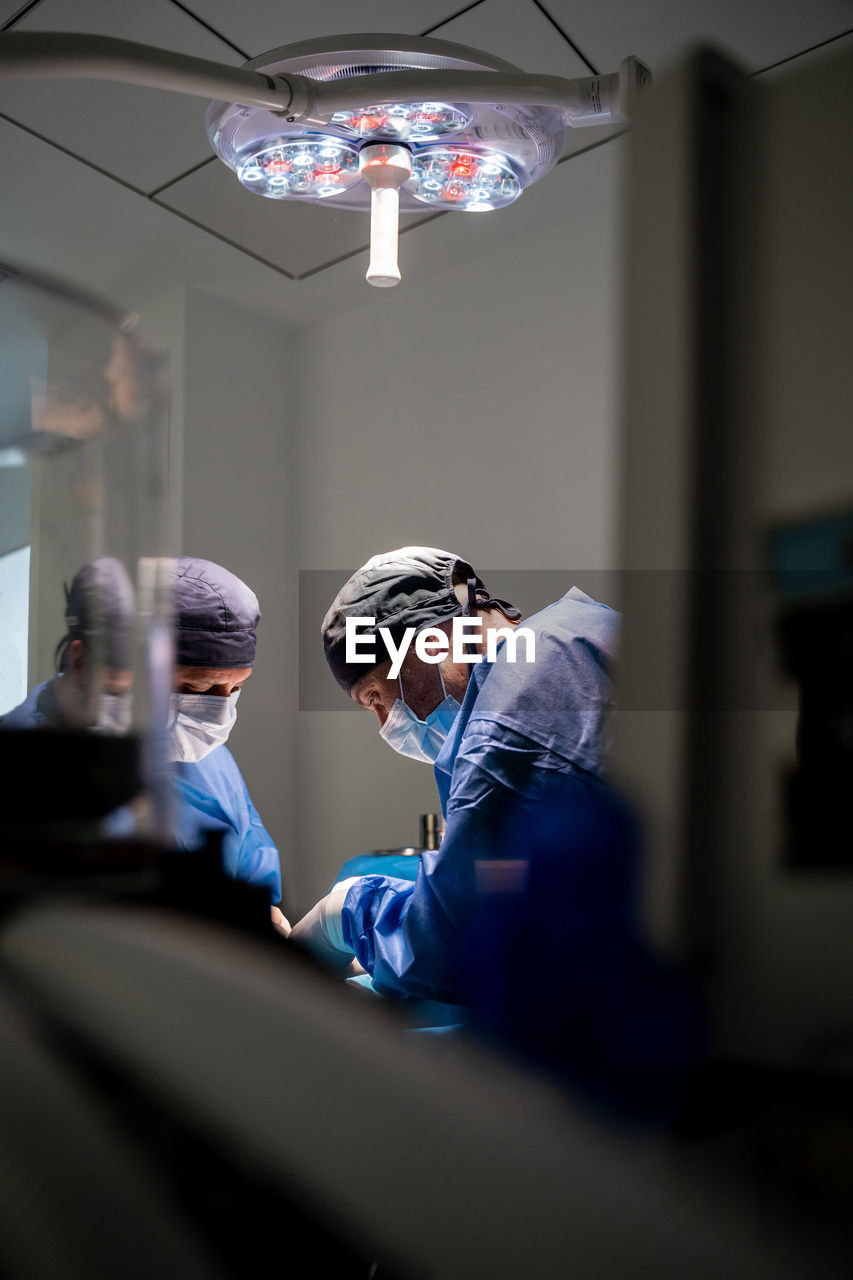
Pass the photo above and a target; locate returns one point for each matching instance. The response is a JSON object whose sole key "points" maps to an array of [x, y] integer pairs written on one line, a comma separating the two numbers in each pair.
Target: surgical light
{"points": [[460, 155], [455, 128]]}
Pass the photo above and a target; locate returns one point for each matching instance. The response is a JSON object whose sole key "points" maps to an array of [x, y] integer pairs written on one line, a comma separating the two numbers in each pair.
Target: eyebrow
{"points": [[360, 697], [209, 681]]}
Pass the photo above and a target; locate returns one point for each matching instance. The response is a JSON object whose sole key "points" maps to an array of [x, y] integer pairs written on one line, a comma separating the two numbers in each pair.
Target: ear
{"points": [[77, 662]]}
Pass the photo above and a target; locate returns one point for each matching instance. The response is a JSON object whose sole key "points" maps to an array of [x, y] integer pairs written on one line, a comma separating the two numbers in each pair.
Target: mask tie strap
{"points": [[485, 601], [470, 608]]}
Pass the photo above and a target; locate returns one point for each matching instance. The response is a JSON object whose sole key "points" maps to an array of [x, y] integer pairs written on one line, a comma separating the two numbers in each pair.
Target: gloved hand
{"points": [[320, 931], [280, 922]]}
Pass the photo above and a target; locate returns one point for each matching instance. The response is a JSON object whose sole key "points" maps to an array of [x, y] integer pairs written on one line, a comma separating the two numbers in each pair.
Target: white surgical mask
{"points": [[114, 713], [199, 722], [419, 739]]}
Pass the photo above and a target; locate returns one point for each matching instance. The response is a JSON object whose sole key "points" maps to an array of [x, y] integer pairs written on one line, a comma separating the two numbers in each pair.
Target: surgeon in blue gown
{"points": [[497, 734], [216, 621]]}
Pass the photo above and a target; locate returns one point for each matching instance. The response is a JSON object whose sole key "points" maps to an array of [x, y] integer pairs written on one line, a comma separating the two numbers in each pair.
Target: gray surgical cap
{"points": [[99, 610], [216, 616], [410, 587]]}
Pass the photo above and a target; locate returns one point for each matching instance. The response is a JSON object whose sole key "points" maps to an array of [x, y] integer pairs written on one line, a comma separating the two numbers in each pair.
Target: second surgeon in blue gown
{"points": [[216, 620], [499, 734]]}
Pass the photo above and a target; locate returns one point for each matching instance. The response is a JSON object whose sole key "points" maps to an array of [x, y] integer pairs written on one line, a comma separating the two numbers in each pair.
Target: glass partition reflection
{"points": [[85, 652]]}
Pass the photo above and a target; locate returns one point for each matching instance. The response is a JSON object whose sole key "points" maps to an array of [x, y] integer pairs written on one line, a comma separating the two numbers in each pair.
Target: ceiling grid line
{"points": [[352, 253], [593, 146], [569, 41], [186, 173], [217, 235], [211, 29], [22, 13], [436, 26], [822, 44], [72, 155]]}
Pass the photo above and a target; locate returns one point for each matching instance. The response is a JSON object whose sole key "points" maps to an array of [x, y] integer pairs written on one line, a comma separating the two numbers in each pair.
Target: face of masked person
{"points": [[419, 739], [416, 710], [203, 710], [115, 713], [93, 695]]}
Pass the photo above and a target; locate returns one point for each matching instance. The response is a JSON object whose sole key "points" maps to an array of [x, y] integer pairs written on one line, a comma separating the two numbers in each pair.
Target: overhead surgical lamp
{"points": [[387, 122]]}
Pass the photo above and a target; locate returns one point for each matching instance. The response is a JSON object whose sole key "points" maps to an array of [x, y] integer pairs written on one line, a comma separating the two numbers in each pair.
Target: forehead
{"points": [[214, 675]]}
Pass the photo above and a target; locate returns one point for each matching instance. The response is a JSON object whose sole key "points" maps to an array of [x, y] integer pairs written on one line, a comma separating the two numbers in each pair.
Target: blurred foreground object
{"points": [[359, 1143], [560, 971], [732, 733]]}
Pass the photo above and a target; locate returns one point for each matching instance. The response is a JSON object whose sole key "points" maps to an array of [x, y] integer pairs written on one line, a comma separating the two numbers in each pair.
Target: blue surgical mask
{"points": [[419, 739]]}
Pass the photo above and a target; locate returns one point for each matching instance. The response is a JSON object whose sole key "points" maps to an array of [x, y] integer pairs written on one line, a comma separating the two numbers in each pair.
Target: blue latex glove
{"points": [[320, 931]]}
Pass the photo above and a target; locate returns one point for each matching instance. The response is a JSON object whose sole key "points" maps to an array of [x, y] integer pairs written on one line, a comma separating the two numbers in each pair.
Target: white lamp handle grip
{"points": [[384, 167], [383, 270]]}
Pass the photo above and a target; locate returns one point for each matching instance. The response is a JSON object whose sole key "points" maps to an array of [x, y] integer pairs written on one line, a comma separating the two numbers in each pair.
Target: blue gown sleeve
{"points": [[411, 938], [212, 795], [250, 853], [408, 936]]}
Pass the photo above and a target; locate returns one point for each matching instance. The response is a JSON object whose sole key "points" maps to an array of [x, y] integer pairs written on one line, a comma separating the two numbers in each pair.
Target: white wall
{"points": [[231, 380], [474, 410], [237, 512]]}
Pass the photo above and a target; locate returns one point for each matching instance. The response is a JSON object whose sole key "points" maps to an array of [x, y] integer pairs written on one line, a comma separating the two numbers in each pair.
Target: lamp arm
{"points": [[50, 55], [593, 100], [54, 55]]}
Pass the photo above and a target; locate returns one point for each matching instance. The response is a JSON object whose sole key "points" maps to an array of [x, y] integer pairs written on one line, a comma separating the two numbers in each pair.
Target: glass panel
{"points": [[84, 619]]}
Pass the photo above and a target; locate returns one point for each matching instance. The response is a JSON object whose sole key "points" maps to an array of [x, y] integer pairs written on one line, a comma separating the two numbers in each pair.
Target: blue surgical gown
{"points": [[212, 795], [30, 715], [521, 727], [209, 795]]}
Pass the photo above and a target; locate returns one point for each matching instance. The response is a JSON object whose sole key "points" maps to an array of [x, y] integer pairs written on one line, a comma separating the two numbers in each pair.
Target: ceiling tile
{"points": [[518, 31], [259, 25], [758, 33], [146, 137], [296, 238], [102, 233]]}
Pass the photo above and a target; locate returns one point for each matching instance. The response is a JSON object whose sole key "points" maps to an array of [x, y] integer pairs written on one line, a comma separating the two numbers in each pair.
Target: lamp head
{"points": [[465, 157]]}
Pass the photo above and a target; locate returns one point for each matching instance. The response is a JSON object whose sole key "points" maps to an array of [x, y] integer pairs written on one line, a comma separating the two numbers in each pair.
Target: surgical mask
{"points": [[419, 739], [198, 723], [114, 714]]}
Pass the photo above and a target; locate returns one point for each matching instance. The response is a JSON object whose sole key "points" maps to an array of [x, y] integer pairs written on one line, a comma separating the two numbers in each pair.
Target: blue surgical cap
{"points": [[216, 616]]}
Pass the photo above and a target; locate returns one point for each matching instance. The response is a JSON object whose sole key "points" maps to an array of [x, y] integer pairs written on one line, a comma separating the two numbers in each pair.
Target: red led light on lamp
{"points": [[463, 179], [404, 122], [304, 168]]}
